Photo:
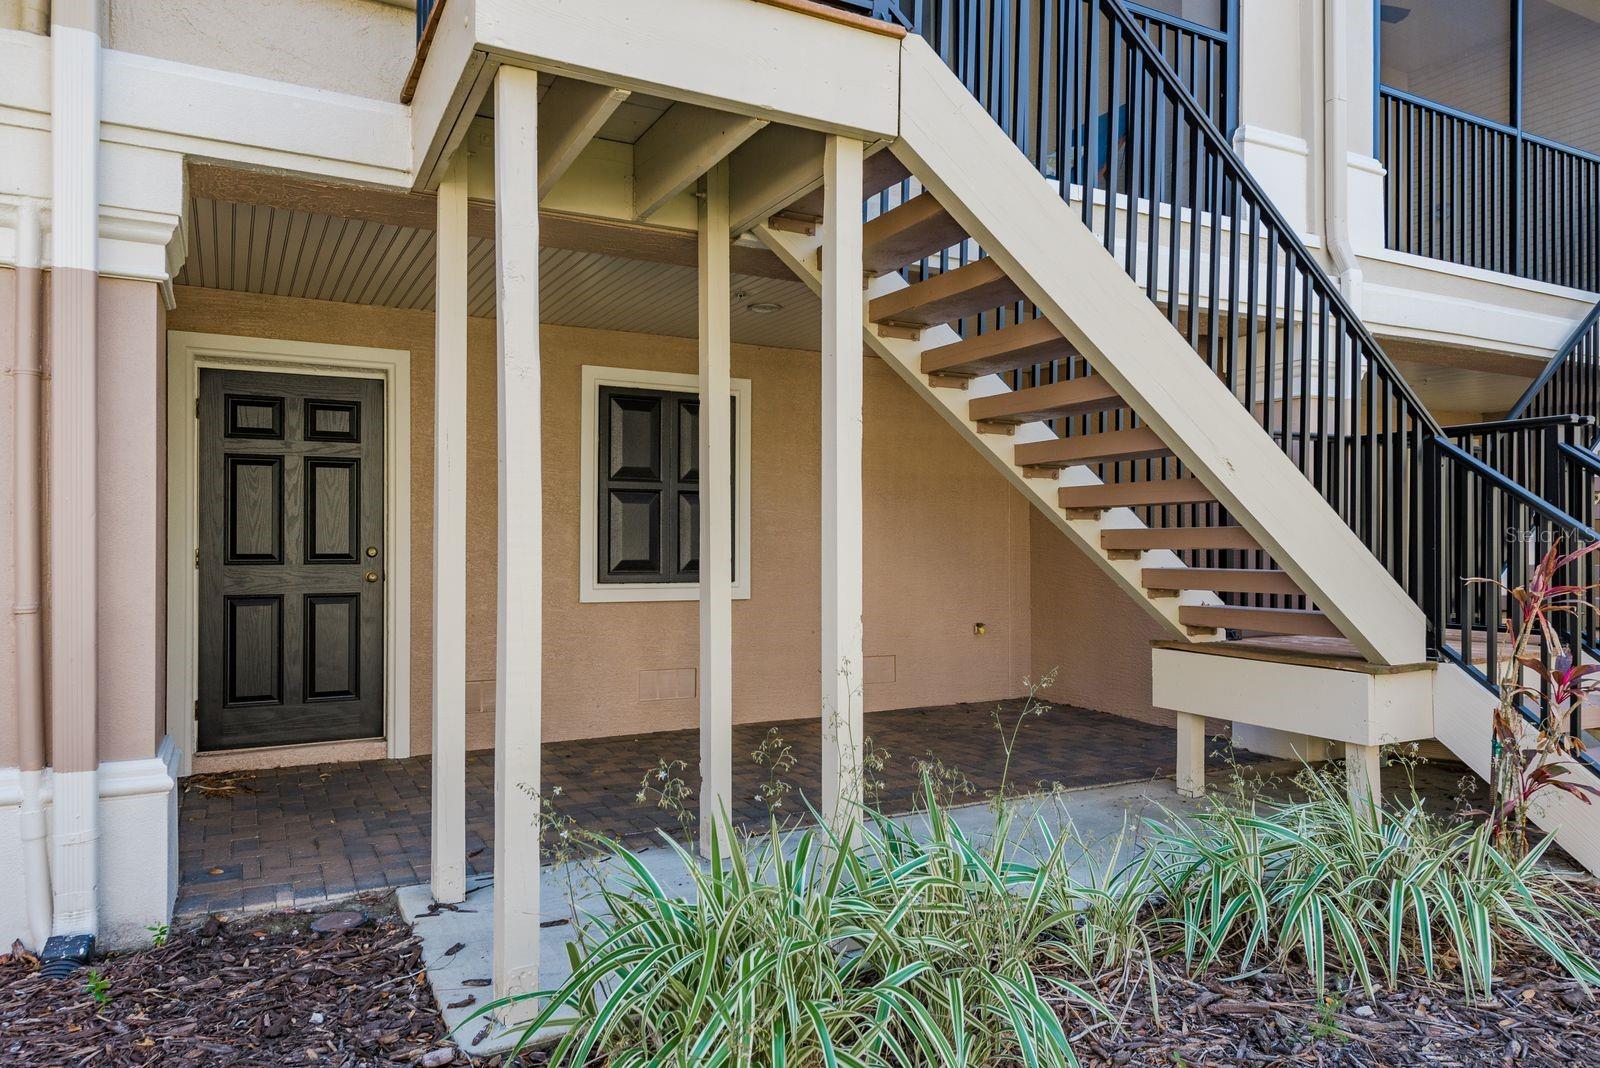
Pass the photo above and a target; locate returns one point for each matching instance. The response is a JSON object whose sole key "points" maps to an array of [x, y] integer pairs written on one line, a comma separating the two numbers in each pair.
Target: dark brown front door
{"points": [[292, 559]]}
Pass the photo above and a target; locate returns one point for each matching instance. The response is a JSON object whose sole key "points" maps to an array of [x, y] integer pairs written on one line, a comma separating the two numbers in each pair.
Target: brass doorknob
{"points": [[371, 576]]}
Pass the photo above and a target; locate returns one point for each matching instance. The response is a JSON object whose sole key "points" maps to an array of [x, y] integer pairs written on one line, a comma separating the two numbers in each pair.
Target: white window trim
{"points": [[590, 589]]}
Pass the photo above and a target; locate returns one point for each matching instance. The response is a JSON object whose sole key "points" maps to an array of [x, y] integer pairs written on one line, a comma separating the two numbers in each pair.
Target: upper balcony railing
{"points": [[1482, 194], [1009, 52]]}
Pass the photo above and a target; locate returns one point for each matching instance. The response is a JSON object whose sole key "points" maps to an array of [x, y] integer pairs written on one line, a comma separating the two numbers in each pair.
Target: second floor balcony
{"points": [[1488, 129]]}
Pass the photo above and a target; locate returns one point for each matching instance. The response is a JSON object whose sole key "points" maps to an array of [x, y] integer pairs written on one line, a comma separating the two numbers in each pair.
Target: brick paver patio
{"points": [[308, 834]]}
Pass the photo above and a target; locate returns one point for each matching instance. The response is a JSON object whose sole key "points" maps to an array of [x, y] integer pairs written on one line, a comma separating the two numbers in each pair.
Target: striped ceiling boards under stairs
{"points": [[253, 248]]}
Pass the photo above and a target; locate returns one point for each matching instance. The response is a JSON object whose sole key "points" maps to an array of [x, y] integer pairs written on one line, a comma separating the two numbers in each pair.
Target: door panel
{"points": [[291, 559]]}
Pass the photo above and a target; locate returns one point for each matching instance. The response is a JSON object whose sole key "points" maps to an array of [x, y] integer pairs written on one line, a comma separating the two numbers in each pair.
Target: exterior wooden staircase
{"points": [[1146, 349], [1115, 484]]}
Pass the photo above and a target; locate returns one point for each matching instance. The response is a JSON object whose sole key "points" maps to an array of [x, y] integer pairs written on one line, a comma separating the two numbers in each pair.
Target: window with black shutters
{"points": [[648, 500]]}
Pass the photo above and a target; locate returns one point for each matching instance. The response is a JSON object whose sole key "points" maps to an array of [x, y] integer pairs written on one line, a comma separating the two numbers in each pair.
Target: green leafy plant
{"points": [[1334, 886], [873, 947], [98, 987], [160, 934]]}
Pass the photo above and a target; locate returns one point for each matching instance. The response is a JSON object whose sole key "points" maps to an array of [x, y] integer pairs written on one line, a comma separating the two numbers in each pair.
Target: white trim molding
{"points": [[590, 589], [137, 878], [187, 354]]}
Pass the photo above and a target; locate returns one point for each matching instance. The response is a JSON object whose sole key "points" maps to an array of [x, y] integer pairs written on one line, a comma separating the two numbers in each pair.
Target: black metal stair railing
{"points": [[1102, 112], [1570, 382], [1493, 531]]}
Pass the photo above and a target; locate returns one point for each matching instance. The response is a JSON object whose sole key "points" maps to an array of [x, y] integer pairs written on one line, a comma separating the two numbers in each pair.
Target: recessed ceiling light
{"points": [[763, 307]]}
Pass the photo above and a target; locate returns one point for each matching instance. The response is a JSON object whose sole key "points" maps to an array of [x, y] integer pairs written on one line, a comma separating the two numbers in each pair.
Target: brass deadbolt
{"points": [[372, 550]]}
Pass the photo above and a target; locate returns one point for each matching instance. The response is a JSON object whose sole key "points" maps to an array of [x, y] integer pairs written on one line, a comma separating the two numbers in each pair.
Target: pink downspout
{"points": [[25, 544]]}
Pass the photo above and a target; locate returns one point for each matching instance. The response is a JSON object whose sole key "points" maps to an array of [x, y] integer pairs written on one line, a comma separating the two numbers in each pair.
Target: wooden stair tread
{"points": [[1023, 345], [907, 233], [1221, 579], [1078, 396], [1177, 538], [942, 298], [1137, 443], [1265, 620], [1135, 494]]}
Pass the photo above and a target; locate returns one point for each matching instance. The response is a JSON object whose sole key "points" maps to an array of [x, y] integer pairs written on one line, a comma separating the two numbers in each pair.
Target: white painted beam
{"points": [[764, 61], [570, 115], [1191, 755], [716, 506], [774, 168], [1363, 768], [681, 146], [518, 640], [842, 387], [448, 870]]}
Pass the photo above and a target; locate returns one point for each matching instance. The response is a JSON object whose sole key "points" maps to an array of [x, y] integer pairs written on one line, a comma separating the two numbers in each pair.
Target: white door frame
{"points": [[187, 354]]}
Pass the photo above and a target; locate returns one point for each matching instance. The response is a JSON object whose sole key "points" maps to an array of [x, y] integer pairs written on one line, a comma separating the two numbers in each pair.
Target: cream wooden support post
{"points": [[449, 862], [518, 644], [841, 663], [1191, 755], [716, 506], [1363, 765]]}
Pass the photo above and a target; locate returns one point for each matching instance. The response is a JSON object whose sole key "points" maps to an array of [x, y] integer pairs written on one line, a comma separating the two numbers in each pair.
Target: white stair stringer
{"points": [[799, 252], [952, 146], [1463, 717]]}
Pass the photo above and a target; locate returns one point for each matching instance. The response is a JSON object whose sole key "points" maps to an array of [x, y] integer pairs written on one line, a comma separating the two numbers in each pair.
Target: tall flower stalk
{"points": [[1542, 672]]}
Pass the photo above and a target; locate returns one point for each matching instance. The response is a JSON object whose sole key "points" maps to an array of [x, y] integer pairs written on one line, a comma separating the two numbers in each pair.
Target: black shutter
{"points": [[649, 494]]}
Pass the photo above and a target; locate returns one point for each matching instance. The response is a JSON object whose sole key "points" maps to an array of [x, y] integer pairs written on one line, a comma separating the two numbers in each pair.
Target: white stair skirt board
{"points": [[1359, 707], [137, 850]]}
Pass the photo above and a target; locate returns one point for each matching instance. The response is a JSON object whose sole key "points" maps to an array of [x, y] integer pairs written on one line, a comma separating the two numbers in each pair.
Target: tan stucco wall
{"points": [[947, 539], [132, 500], [1094, 636], [349, 46], [131, 519]]}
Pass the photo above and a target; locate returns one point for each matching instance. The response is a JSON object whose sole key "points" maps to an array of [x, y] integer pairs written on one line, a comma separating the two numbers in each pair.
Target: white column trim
{"points": [[842, 387], [448, 866], [187, 354], [519, 648], [716, 508]]}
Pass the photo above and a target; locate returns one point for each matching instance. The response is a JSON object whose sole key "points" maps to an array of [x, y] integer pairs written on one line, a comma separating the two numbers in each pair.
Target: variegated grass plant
{"points": [[881, 947], [1339, 889], [910, 944]]}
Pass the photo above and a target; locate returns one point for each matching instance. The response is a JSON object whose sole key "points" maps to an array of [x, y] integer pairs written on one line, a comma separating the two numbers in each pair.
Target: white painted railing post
{"points": [[519, 645], [842, 693], [716, 506], [448, 868]]}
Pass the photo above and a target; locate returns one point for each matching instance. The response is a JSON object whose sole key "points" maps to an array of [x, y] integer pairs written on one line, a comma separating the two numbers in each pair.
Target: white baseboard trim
{"points": [[136, 845]]}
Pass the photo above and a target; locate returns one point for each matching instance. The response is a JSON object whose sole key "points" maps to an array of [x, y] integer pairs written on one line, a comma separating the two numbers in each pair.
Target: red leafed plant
{"points": [[1530, 757]]}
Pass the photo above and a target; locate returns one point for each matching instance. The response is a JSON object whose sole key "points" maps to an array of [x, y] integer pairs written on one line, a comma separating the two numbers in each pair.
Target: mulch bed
{"points": [[266, 990], [260, 990], [1536, 1016]]}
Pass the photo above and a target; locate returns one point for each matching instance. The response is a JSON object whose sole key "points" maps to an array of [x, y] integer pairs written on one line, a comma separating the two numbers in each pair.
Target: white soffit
{"points": [[252, 248]]}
